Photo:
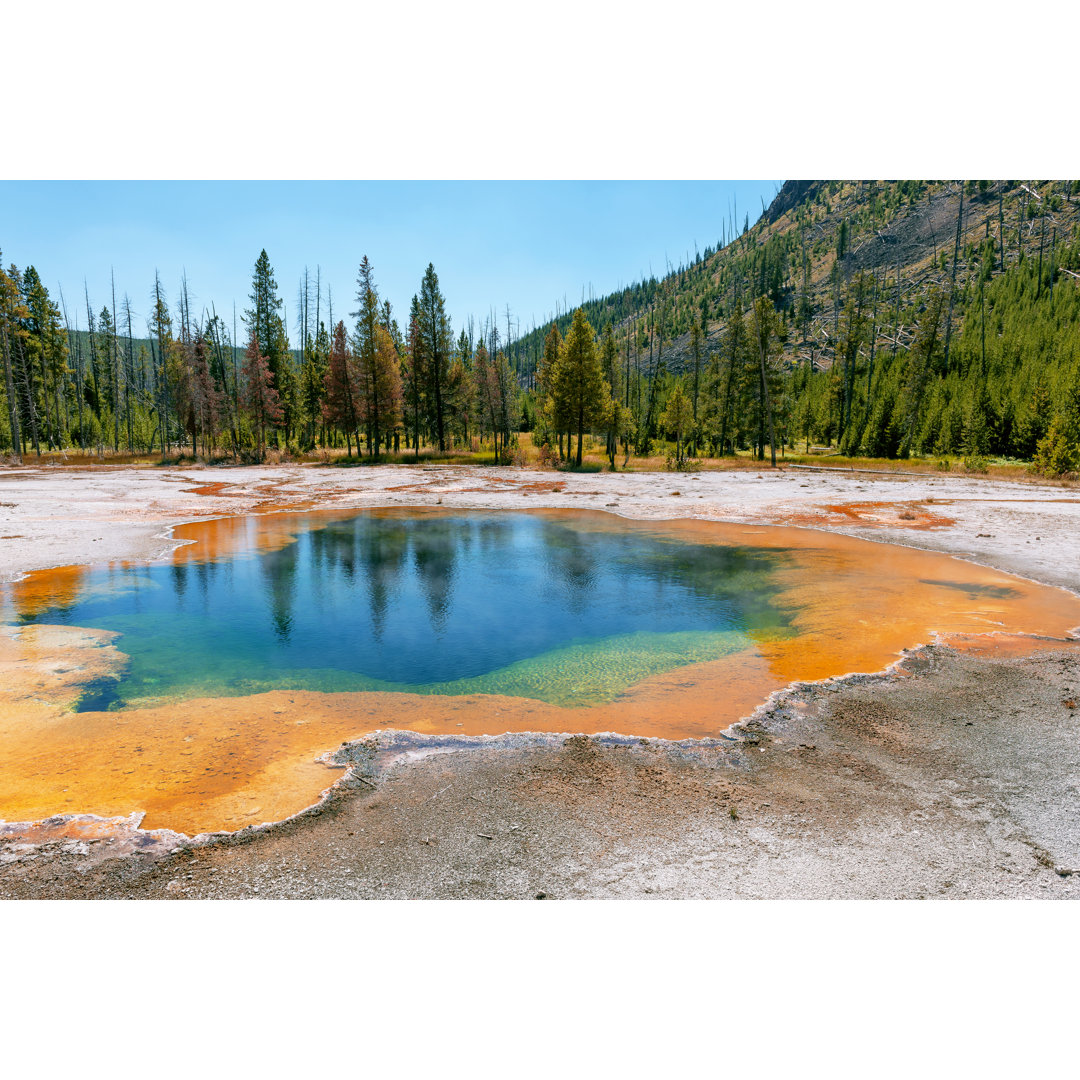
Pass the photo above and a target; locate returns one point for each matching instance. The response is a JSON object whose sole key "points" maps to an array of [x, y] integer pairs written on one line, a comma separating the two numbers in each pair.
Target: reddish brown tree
{"points": [[260, 397], [341, 405], [199, 400]]}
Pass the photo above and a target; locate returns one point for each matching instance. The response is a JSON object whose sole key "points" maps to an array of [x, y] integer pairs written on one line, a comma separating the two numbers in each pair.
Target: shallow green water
{"points": [[560, 610]]}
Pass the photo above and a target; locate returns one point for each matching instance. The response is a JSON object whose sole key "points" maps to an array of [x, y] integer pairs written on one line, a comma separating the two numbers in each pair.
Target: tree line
{"points": [[976, 352], [192, 383]]}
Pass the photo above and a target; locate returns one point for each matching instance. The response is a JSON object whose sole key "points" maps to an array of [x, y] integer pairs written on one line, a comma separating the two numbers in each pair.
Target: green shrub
{"points": [[1056, 453]]}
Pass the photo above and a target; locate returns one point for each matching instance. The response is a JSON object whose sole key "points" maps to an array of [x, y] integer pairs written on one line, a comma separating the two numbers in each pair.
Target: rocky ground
{"points": [[957, 775]]}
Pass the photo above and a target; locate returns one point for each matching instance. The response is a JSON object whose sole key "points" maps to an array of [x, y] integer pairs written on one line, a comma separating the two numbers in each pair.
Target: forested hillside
{"points": [[901, 317], [881, 318]]}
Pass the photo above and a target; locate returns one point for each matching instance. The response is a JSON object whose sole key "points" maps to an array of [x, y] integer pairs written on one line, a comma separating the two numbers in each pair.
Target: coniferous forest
{"points": [[884, 319]]}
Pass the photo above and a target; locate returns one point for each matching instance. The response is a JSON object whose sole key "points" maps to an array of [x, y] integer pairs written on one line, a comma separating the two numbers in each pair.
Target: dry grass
{"points": [[594, 459]]}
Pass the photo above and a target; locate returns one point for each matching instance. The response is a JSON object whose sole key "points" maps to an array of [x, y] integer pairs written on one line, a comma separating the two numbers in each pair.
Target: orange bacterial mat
{"points": [[224, 763]]}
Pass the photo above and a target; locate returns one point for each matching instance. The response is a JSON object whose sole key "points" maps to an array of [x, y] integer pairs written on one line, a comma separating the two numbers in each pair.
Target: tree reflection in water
{"points": [[413, 600]]}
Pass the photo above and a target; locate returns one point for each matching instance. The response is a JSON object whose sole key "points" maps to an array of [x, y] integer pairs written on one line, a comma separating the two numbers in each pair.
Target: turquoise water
{"points": [[513, 603]]}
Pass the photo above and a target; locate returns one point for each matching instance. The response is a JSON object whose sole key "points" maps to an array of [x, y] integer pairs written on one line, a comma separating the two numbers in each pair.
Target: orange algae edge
{"points": [[225, 763], [44, 589]]}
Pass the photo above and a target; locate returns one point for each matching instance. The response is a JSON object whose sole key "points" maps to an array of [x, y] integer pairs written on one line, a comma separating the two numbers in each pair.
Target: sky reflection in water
{"points": [[474, 601]]}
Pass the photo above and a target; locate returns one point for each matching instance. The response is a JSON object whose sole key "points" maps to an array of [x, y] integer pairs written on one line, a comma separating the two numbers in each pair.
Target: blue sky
{"points": [[493, 243]]}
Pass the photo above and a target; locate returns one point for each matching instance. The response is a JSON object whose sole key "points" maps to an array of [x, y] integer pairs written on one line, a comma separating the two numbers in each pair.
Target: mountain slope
{"points": [[910, 287]]}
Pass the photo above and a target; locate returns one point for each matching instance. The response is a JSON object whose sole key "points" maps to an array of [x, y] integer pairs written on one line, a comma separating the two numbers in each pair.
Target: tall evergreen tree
{"points": [[678, 418], [11, 310], [313, 380], [262, 317], [436, 342], [696, 336], [414, 377], [341, 405], [578, 388], [385, 401], [616, 416], [764, 327], [545, 376], [160, 327], [366, 350]]}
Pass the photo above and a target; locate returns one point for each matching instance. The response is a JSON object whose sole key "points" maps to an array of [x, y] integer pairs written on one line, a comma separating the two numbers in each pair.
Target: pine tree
{"points": [[102, 367], [262, 317], [616, 417], [764, 330], [45, 352], [23, 346], [484, 381], [313, 380], [678, 418], [386, 396], [461, 390], [199, 399], [545, 375], [733, 353], [341, 407], [851, 340], [978, 420], [696, 337], [436, 342], [578, 389], [552, 344], [11, 310], [161, 328], [921, 364], [414, 376], [507, 404], [366, 350]]}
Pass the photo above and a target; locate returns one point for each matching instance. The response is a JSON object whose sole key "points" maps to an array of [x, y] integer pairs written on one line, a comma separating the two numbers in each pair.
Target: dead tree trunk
{"points": [[1042, 240], [115, 370], [1001, 233], [952, 276]]}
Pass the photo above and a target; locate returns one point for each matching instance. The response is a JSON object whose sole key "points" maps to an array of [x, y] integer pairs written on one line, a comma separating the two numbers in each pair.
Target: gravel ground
{"points": [[958, 780]]}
